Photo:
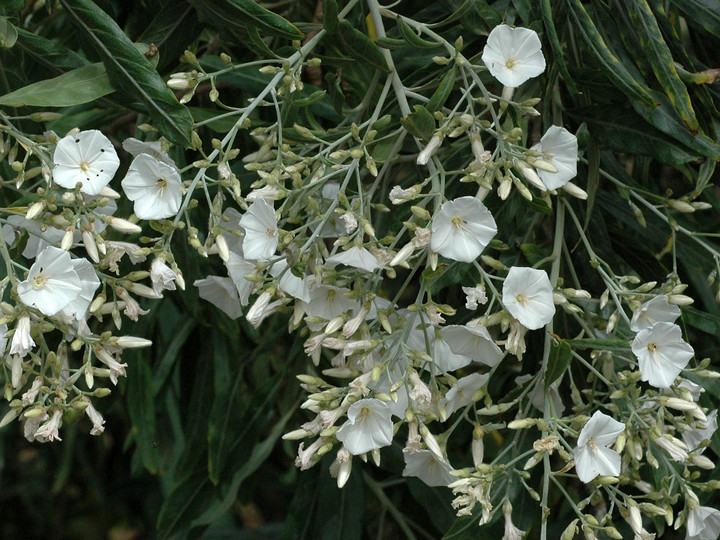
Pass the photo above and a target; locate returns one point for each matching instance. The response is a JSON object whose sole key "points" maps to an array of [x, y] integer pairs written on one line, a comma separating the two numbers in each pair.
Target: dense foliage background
{"points": [[192, 444]]}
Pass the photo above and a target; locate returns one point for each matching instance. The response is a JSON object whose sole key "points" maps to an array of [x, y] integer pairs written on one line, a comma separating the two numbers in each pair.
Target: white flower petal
{"points": [[355, 256], [462, 229], [513, 55], [560, 148], [425, 466], [662, 354], [261, 232], [475, 343], [154, 187], [656, 310], [369, 426], [87, 158], [52, 282], [527, 295], [220, 292]]}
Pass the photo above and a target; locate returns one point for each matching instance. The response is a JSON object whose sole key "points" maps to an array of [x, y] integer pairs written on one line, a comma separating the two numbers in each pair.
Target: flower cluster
{"points": [[433, 283]]}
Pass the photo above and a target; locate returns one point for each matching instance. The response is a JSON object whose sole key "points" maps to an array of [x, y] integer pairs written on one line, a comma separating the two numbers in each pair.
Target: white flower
{"points": [[39, 236], [474, 296], [161, 276], [656, 310], [461, 394], [444, 359], [703, 523], [399, 195], [662, 353], [427, 152], [154, 187], [154, 148], [369, 426], [220, 292], [52, 282], [462, 229], [22, 341], [692, 437], [592, 455], [238, 268], [527, 295], [116, 250], [327, 302], [295, 286], [673, 447], [428, 468], [95, 417], [473, 342], [559, 148], [89, 283], [513, 55], [88, 158], [355, 256], [511, 531], [48, 432], [261, 232]]}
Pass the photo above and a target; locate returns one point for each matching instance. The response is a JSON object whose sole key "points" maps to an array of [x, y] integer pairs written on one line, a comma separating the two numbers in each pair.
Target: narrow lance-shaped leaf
{"points": [[360, 46], [81, 85], [130, 72], [615, 69], [558, 53], [661, 61], [231, 14]]}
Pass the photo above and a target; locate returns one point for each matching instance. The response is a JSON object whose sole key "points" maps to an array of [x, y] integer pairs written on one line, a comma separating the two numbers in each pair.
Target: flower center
{"points": [[458, 222], [521, 298], [270, 231], [39, 282], [652, 347], [161, 184], [85, 166], [364, 412], [510, 63]]}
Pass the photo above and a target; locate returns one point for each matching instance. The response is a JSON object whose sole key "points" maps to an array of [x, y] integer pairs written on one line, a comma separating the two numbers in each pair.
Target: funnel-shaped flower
{"points": [[656, 310], [662, 354], [369, 426], [592, 455], [221, 292], [475, 343], [87, 158], [154, 187], [559, 148], [428, 468], [261, 231], [513, 55], [52, 282], [527, 295], [462, 229], [703, 523]]}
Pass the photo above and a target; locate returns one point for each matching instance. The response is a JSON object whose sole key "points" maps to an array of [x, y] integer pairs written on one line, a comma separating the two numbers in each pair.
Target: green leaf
{"points": [[81, 85], [558, 361], [613, 67], [50, 54], [335, 91], [359, 46], [703, 13], [130, 72], [340, 511], [666, 118], [706, 172], [409, 35], [444, 89], [437, 498], [420, 123], [186, 501], [172, 31], [619, 345], [390, 43], [624, 131], [234, 14], [555, 45], [456, 14], [330, 16], [8, 33], [661, 60], [141, 405]]}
